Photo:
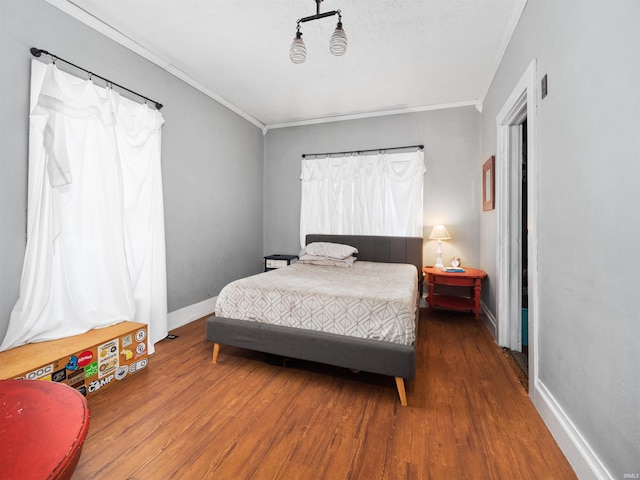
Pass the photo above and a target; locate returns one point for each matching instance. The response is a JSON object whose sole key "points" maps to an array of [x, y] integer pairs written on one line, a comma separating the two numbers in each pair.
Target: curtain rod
{"points": [[36, 52], [421, 147]]}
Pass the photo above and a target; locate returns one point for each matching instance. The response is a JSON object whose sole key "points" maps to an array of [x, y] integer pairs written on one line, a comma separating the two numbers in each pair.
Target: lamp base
{"points": [[439, 255]]}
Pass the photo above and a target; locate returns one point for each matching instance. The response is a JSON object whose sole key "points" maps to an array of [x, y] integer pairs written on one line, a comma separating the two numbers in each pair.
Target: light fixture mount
{"points": [[337, 44]]}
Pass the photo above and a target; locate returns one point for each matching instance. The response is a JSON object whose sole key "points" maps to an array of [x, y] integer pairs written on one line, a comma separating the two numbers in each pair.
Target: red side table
{"points": [[470, 278], [43, 425]]}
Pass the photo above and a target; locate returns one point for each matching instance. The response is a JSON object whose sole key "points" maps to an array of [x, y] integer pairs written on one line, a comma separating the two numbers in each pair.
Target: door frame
{"points": [[521, 104]]}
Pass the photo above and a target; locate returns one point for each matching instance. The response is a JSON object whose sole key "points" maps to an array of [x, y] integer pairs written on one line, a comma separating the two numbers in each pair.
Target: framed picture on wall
{"points": [[489, 184]]}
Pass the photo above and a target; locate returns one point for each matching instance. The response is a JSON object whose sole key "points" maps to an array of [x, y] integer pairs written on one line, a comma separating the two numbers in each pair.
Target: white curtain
{"points": [[95, 252], [363, 195]]}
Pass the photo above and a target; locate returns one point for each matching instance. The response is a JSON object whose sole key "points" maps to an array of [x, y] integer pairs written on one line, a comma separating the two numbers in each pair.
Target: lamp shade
{"points": [[298, 50], [338, 42], [439, 233]]}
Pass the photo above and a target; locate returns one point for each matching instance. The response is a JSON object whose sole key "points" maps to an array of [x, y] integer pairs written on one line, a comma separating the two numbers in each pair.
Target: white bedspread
{"points": [[369, 300]]}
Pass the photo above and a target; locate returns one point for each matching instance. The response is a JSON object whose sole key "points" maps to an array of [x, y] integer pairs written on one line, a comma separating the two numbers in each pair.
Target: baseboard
{"points": [[579, 453], [492, 323], [575, 447], [185, 315]]}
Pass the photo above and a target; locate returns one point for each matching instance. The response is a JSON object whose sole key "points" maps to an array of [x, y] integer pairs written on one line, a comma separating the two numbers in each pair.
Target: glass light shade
{"points": [[439, 233], [338, 42], [298, 51]]}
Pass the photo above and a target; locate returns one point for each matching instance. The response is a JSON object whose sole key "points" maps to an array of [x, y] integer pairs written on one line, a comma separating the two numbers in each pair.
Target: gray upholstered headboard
{"points": [[380, 249]]}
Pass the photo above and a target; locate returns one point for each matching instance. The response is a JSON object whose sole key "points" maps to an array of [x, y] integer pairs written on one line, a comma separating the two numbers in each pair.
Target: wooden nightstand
{"points": [[471, 278], [271, 262]]}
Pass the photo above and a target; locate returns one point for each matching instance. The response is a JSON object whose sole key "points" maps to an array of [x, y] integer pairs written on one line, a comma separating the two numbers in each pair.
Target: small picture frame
{"points": [[489, 184]]}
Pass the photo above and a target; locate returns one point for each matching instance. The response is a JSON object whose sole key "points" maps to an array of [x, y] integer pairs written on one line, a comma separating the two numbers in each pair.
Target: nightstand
{"points": [[271, 262], [471, 278]]}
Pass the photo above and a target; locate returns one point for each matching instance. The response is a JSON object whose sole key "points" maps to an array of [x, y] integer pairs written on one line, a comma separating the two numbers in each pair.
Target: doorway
{"points": [[516, 205], [521, 357]]}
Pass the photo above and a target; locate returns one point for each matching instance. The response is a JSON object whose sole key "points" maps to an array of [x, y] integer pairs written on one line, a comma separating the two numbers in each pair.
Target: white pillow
{"points": [[327, 261], [328, 249]]}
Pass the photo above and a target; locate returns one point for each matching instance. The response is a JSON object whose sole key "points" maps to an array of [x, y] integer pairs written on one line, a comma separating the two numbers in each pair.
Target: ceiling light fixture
{"points": [[337, 44]]}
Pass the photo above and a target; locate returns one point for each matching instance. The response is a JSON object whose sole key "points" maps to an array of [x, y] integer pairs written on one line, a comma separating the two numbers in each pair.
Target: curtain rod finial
{"points": [[36, 52]]}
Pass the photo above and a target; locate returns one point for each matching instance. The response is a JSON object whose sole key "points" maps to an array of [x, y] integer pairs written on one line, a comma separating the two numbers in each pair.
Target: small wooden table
{"points": [[470, 278]]}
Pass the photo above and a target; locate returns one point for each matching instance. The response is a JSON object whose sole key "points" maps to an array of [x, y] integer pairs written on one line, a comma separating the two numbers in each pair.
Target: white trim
{"points": [[492, 323], [110, 32], [581, 456], [91, 21], [380, 113], [517, 7], [185, 315], [522, 102]]}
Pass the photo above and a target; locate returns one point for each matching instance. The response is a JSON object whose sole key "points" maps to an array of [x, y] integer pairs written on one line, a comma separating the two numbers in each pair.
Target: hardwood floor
{"points": [[183, 417]]}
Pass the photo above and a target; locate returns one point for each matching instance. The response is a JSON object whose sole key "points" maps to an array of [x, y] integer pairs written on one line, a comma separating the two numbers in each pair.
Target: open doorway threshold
{"points": [[520, 363]]}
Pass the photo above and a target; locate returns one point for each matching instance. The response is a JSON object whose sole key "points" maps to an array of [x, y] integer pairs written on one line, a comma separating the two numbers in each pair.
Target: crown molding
{"points": [[379, 113], [517, 7], [83, 16], [68, 7]]}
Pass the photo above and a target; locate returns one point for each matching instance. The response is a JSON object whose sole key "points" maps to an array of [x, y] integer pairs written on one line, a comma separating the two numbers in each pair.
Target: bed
{"points": [[385, 356]]}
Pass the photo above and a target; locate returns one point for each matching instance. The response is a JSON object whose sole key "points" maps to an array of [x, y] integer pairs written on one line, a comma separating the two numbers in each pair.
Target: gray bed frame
{"points": [[373, 356]]}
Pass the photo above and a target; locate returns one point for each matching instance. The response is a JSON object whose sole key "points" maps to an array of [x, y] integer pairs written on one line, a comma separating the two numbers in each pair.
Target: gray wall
{"points": [[589, 195], [451, 183], [211, 158]]}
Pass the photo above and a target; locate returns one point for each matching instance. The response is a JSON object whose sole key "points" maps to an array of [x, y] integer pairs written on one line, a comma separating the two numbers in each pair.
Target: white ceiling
{"points": [[403, 55]]}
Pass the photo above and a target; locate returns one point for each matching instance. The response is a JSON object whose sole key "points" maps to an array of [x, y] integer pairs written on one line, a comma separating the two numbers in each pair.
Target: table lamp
{"points": [[439, 233]]}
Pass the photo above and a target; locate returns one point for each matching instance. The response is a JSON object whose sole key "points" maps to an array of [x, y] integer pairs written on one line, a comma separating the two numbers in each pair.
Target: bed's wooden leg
{"points": [[401, 391], [216, 352]]}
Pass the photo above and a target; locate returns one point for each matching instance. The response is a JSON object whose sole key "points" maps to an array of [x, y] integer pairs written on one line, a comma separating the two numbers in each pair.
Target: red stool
{"points": [[42, 428]]}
